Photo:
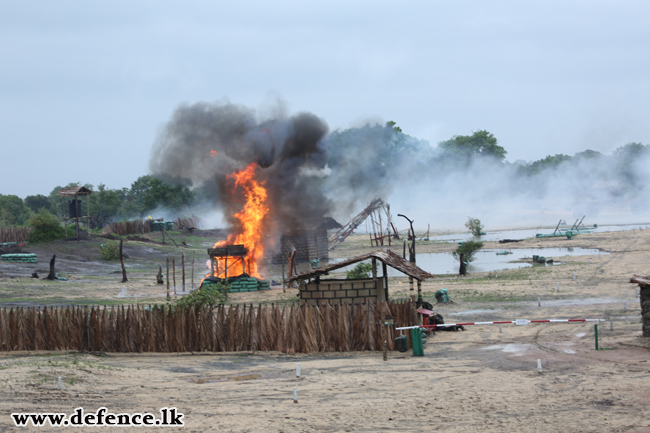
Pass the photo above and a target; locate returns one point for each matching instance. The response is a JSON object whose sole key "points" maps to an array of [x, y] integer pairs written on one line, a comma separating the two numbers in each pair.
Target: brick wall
{"points": [[339, 292]]}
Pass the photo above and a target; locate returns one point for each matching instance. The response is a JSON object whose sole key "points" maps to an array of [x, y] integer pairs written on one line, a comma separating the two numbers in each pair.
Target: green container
{"points": [[401, 343], [416, 341]]}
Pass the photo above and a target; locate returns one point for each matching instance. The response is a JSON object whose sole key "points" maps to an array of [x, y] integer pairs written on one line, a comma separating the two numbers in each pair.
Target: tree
{"points": [[147, 193], [13, 211], [46, 227], [628, 157], [465, 254], [548, 163], [474, 226], [104, 204], [360, 271], [37, 202], [465, 148]]}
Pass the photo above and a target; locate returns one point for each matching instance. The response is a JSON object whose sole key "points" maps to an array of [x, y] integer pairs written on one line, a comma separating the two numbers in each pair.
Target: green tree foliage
{"points": [[208, 295], [13, 211], [110, 250], [360, 271], [629, 156], [465, 148], [37, 202], [147, 193], [551, 162], [46, 227], [468, 249], [474, 226], [104, 204], [356, 155]]}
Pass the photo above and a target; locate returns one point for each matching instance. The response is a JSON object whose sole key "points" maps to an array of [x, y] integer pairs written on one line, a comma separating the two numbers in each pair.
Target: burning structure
{"points": [[266, 176]]}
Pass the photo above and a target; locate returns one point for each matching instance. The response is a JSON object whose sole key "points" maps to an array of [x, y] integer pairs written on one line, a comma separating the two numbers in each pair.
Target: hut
{"points": [[315, 290], [308, 240], [644, 296]]}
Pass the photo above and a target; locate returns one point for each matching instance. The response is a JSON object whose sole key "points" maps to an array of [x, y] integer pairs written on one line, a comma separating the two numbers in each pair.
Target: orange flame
{"points": [[251, 218], [213, 153]]}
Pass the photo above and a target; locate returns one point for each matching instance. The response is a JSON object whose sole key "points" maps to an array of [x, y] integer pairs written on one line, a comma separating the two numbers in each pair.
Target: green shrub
{"points": [[361, 270], [208, 295], [109, 250], [46, 227]]}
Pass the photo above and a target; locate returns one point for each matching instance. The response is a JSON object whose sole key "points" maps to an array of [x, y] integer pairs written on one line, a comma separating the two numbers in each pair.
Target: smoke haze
{"points": [[310, 173]]}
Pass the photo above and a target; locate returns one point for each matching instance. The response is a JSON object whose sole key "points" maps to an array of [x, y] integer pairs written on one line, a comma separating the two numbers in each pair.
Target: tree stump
{"points": [[463, 266], [52, 274], [159, 277], [124, 279]]}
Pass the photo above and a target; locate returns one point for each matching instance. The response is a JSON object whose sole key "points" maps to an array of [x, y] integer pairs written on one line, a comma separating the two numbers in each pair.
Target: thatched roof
{"points": [[385, 256], [71, 191]]}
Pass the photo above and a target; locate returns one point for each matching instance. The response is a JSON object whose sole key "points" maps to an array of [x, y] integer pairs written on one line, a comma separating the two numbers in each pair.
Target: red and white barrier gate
{"points": [[512, 322]]}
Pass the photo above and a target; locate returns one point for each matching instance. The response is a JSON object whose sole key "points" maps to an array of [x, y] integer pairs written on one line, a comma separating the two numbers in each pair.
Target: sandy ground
{"points": [[477, 380]]}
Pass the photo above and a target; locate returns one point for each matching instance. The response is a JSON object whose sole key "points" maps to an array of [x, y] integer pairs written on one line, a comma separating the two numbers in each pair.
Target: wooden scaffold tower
{"points": [[75, 206]]}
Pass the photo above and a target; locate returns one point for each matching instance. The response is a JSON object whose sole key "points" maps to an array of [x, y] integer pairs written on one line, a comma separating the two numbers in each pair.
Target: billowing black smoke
{"points": [[203, 143]]}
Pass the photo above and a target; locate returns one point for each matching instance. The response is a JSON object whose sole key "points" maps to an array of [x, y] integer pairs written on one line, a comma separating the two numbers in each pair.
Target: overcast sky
{"points": [[85, 86]]}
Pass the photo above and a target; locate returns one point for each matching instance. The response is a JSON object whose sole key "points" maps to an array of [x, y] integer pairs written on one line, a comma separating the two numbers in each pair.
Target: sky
{"points": [[86, 86]]}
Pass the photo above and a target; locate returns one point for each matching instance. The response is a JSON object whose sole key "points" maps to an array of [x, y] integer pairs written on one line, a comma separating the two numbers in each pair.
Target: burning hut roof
{"points": [[383, 255]]}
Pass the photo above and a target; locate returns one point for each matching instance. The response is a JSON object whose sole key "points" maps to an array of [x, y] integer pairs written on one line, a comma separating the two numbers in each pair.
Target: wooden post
{"points": [[124, 279], [192, 270], [77, 216], [174, 273], [380, 291], [419, 291], [284, 283], [183, 259], [225, 268], [384, 270], [168, 277], [411, 291]]}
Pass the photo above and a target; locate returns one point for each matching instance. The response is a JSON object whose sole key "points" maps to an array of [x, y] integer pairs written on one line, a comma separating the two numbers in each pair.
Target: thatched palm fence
{"points": [[14, 234], [266, 327], [125, 228]]}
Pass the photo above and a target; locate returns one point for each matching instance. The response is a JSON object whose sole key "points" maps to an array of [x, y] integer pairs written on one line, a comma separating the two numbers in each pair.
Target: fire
{"points": [[251, 218], [213, 153]]}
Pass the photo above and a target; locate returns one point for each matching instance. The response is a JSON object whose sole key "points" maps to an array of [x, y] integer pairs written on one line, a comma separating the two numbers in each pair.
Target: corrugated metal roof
{"points": [[71, 191], [385, 256]]}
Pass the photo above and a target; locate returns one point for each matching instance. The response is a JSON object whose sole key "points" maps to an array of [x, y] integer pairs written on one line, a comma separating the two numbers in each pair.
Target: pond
{"points": [[487, 260], [492, 236]]}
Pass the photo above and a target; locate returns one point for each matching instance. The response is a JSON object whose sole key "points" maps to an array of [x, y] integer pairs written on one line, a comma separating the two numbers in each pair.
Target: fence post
{"points": [[167, 277]]}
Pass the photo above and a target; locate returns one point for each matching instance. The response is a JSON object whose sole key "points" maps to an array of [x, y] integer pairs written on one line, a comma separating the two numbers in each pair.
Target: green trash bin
{"points": [[416, 341], [401, 343]]}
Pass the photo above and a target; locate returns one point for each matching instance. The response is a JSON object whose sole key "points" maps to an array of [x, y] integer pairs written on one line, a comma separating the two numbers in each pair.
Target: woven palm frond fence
{"points": [[288, 329], [14, 234]]}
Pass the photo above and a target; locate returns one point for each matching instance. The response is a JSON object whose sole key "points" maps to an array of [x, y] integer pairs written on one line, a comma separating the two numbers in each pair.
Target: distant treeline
{"points": [[373, 159], [106, 205]]}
